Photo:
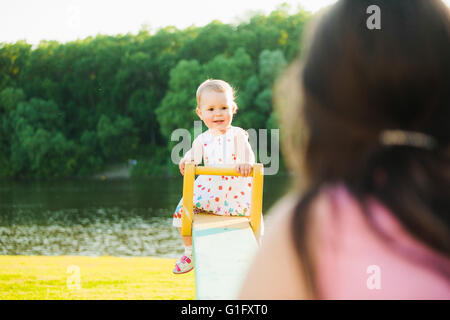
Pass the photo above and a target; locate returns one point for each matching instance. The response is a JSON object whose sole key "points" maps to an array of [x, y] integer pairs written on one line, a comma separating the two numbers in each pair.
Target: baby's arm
{"points": [[245, 155], [194, 155]]}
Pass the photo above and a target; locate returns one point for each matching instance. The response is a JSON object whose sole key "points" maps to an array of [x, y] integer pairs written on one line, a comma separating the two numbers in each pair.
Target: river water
{"points": [[121, 217]]}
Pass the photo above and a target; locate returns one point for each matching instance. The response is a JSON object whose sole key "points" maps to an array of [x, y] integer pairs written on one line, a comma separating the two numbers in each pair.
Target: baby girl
{"points": [[221, 145]]}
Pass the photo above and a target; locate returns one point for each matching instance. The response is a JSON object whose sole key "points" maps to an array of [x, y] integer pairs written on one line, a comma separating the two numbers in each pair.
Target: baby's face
{"points": [[216, 110]]}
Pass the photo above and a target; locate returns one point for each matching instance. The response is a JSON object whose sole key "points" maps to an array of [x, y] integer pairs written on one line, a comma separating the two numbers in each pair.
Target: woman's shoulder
{"points": [[284, 210], [344, 230], [277, 253], [278, 250], [339, 234]]}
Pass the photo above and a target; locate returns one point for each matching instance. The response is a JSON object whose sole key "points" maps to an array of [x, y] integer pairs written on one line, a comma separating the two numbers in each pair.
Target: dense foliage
{"points": [[70, 109]]}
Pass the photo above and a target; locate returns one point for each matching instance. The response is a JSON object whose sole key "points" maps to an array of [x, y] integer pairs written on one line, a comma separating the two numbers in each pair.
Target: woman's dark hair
{"points": [[349, 85]]}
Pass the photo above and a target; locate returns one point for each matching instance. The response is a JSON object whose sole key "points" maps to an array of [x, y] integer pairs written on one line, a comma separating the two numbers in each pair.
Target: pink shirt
{"points": [[354, 262]]}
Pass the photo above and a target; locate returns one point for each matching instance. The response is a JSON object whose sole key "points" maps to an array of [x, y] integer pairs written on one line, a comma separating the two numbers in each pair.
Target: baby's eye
{"points": [[224, 107], [210, 109]]}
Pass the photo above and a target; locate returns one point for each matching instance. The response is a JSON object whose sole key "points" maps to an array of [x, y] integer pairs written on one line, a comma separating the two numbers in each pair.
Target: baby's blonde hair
{"points": [[216, 85]]}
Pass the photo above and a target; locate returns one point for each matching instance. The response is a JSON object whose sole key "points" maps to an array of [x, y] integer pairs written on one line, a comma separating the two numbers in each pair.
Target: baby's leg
{"points": [[186, 262], [187, 240]]}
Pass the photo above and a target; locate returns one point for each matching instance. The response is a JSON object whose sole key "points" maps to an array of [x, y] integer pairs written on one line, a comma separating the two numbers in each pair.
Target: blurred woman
{"points": [[365, 118]]}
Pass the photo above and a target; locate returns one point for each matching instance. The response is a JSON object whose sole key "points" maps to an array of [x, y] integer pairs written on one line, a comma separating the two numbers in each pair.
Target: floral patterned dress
{"points": [[221, 195]]}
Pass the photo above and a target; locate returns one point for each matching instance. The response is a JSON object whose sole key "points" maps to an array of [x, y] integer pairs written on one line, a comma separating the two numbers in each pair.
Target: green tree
{"points": [[37, 145], [211, 40], [235, 70], [177, 109], [141, 109], [13, 58], [9, 99], [70, 109], [271, 64], [117, 138]]}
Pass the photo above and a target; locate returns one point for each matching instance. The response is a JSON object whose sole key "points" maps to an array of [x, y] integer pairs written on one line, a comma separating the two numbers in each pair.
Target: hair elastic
{"points": [[407, 138]]}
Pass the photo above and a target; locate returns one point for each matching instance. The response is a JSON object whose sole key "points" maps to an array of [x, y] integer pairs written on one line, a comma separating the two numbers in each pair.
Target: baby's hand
{"points": [[181, 166], [182, 163], [244, 169]]}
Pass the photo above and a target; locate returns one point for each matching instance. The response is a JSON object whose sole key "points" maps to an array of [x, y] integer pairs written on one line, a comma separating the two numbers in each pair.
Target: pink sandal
{"points": [[183, 265]]}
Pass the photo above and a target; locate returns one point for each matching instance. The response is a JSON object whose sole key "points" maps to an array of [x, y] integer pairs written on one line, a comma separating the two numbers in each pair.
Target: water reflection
{"points": [[93, 218]]}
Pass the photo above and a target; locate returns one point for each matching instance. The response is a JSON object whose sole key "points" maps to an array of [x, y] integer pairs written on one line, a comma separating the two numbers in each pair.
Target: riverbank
{"points": [[114, 171], [92, 278]]}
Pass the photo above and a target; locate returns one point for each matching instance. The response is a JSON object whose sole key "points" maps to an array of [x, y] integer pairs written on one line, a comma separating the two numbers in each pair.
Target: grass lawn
{"points": [[75, 277]]}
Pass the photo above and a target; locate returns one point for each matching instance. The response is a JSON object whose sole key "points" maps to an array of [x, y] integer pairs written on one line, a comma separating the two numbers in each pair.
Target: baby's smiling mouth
{"points": [[218, 121]]}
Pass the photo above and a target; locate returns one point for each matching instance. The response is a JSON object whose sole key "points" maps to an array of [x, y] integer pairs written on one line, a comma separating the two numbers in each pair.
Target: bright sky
{"points": [[66, 20]]}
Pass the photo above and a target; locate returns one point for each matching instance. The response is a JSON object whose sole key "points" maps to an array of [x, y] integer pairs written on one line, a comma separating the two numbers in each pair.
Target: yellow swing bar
{"points": [[191, 170]]}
